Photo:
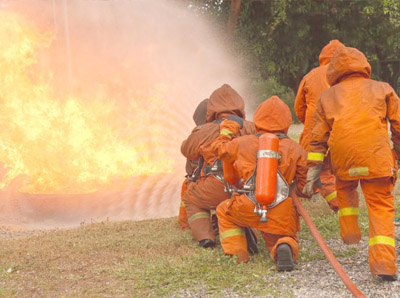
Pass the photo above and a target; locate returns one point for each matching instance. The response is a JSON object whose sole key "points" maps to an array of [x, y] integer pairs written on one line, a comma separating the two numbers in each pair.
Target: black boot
{"points": [[284, 258], [252, 247], [207, 243], [388, 277]]}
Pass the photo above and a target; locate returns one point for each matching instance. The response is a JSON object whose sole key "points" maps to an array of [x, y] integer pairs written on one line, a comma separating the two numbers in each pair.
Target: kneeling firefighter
{"points": [[204, 195], [193, 167], [273, 212]]}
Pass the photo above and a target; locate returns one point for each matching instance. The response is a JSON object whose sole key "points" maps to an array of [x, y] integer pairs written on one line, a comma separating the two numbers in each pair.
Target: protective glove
{"points": [[237, 119], [313, 175]]}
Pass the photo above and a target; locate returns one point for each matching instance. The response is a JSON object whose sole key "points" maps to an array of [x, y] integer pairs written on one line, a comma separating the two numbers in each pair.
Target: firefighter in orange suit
{"points": [[279, 232], [310, 90], [207, 192], [192, 166], [351, 120]]}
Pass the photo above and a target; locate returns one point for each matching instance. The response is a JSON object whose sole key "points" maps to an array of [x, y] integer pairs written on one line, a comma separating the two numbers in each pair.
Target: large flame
{"points": [[69, 143]]}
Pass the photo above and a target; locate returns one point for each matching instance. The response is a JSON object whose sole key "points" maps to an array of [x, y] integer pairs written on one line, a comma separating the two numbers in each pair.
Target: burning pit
{"points": [[95, 99]]}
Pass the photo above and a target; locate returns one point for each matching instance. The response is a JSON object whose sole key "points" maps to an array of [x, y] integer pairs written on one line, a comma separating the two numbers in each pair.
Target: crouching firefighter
{"points": [[263, 202], [193, 167], [204, 195]]}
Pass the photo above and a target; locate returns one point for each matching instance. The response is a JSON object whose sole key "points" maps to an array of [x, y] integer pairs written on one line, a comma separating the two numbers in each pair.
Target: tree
{"points": [[282, 39]]}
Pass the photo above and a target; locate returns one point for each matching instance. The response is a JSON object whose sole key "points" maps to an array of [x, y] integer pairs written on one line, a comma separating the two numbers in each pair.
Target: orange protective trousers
{"points": [[182, 216], [380, 204], [200, 198], [328, 190], [236, 213]]}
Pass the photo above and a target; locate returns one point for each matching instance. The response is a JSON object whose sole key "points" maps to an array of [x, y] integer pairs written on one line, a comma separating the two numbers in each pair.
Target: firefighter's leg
{"points": [[328, 190], [182, 217], [380, 203], [232, 235], [348, 210], [199, 219], [279, 233]]}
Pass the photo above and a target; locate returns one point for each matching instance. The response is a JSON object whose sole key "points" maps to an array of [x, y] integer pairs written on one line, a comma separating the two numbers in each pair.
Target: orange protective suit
{"points": [[310, 90], [199, 117], [206, 193], [351, 119], [273, 116]]}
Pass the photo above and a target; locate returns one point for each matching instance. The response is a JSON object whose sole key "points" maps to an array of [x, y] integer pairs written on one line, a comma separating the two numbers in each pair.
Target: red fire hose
{"points": [[325, 249]]}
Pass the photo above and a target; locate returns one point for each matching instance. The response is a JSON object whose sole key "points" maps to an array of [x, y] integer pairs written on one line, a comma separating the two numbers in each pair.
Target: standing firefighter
{"points": [[192, 166], [310, 90], [279, 231], [207, 192], [351, 120]]}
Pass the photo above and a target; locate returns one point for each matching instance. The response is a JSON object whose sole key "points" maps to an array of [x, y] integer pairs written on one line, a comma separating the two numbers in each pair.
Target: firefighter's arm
{"points": [[319, 137], [300, 105], [301, 174], [190, 147], [200, 136], [393, 115], [223, 146]]}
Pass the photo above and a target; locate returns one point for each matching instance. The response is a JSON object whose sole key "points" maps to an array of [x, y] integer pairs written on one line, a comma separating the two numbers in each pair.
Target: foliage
{"points": [[281, 39]]}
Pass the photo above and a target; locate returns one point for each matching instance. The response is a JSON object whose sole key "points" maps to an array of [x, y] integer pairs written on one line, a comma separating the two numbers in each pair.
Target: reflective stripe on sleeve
{"points": [[363, 171], [182, 204], [231, 233], [331, 196], [348, 211], [197, 216], [226, 132], [315, 156], [381, 240]]}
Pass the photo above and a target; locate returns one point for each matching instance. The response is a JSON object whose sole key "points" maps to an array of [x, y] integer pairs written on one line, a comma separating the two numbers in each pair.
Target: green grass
{"points": [[151, 258]]}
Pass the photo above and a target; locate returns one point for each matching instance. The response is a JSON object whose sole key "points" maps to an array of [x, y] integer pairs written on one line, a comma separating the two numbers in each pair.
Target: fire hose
{"points": [[325, 249]]}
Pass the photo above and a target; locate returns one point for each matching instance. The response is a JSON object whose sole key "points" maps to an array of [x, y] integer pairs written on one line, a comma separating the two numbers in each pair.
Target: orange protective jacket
{"points": [[223, 101], [351, 119], [310, 90], [271, 116]]}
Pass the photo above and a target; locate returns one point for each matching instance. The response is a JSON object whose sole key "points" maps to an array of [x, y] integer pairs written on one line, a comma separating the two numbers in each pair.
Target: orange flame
{"points": [[67, 143]]}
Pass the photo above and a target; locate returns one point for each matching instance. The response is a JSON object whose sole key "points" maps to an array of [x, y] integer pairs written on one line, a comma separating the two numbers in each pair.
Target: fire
{"points": [[68, 143]]}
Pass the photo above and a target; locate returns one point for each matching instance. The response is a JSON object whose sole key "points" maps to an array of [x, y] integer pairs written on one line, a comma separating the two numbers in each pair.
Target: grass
{"points": [[151, 258]]}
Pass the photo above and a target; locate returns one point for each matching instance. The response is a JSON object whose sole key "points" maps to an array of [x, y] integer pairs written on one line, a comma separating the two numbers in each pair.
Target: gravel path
{"points": [[318, 279]]}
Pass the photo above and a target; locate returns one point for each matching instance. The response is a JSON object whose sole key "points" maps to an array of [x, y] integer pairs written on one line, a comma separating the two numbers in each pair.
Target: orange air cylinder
{"points": [[267, 169], [230, 174]]}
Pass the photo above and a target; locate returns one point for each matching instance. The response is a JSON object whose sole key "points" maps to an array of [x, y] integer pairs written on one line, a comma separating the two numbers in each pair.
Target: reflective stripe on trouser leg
{"points": [[232, 233], [347, 197], [380, 204], [198, 215], [315, 156], [331, 196]]}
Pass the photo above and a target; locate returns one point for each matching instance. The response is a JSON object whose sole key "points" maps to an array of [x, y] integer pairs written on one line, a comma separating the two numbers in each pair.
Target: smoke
{"points": [[152, 62]]}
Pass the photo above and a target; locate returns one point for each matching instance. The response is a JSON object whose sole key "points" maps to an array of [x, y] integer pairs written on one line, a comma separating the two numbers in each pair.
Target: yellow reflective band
{"points": [[197, 216], [331, 196], [231, 233], [348, 211], [182, 204], [226, 132], [359, 171], [315, 156], [381, 240]]}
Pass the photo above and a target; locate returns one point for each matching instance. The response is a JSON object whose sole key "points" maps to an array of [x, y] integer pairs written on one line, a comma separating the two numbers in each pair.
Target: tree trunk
{"points": [[233, 16]]}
